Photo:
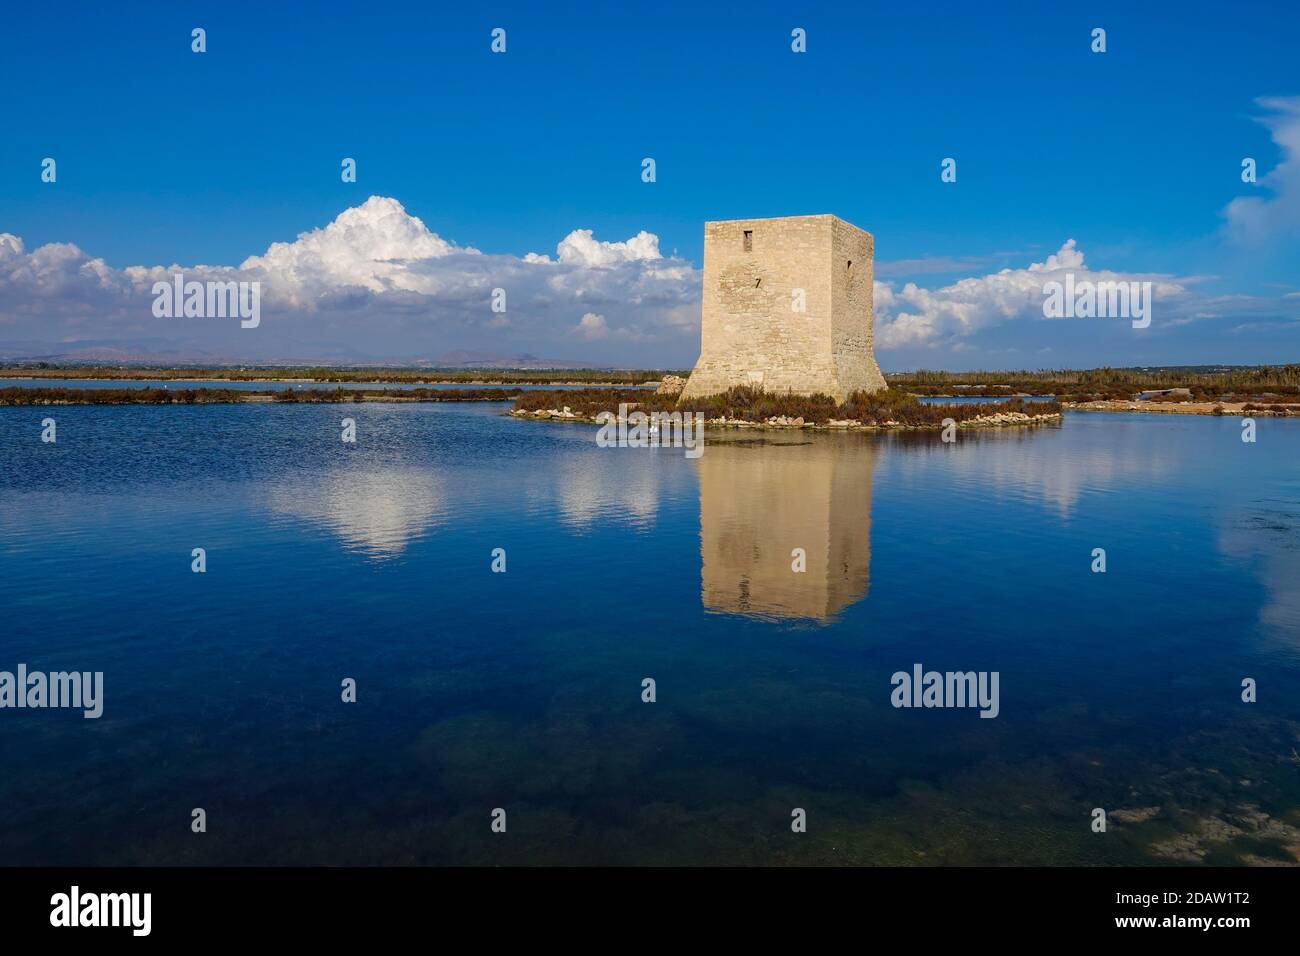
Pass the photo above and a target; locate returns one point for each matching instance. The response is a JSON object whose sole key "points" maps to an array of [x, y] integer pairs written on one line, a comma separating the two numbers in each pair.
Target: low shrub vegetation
{"points": [[1111, 384], [119, 396]]}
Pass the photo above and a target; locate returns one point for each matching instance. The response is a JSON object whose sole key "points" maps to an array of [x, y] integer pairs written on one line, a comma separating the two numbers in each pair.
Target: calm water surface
{"points": [[522, 690]]}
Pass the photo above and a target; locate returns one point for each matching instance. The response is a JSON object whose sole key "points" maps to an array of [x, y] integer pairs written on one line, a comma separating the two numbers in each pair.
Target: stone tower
{"points": [[787, 307]]}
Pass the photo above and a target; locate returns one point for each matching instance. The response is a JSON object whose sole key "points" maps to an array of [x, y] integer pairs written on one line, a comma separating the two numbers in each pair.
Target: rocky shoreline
{"points": [[784, 423], [1184, 408]]}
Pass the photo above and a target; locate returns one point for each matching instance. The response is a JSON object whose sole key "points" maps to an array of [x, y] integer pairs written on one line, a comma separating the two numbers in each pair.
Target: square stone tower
{"points": [[787, 307]]}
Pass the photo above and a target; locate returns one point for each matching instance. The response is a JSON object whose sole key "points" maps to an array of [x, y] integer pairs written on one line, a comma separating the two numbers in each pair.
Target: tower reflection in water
{"points": [[760, 499]]}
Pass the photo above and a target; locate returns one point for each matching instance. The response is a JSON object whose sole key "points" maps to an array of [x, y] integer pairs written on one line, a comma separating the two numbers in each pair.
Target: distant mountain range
{"points": [[462, 358], [101, 353]]}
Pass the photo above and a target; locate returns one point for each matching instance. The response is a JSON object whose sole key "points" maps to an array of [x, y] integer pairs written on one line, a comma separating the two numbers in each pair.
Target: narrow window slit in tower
{"points": [[749, 240]]}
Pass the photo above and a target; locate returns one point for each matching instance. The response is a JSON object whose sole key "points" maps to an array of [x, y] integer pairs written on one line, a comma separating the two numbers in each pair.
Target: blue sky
{"points": [[166, 156]]}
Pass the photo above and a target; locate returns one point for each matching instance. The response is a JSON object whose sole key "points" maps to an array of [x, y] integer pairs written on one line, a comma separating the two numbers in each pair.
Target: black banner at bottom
{"points": [[540, 905]]}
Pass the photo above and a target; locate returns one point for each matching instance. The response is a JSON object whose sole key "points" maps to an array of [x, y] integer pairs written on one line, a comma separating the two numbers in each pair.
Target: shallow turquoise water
{"points": [[522, 690]]}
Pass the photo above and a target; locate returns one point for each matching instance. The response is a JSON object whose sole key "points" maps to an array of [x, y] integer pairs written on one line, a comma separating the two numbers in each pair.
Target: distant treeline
{"points": [[343, 375], [745, 403], [1206, 383], [218, 396]]}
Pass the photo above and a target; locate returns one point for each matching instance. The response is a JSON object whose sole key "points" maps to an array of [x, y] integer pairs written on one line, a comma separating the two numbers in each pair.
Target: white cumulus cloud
{"points": [[581, 248], [912, 315], [374, 281], [592, 326], [1258, 219]]}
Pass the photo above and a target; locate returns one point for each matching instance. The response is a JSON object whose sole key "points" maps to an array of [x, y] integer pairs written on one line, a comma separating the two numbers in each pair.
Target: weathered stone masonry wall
{"points": [[751, 334]]}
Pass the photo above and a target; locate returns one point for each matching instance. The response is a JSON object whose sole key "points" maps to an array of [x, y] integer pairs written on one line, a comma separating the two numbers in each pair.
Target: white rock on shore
{"points": [[783, 421], [671, 385]]}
